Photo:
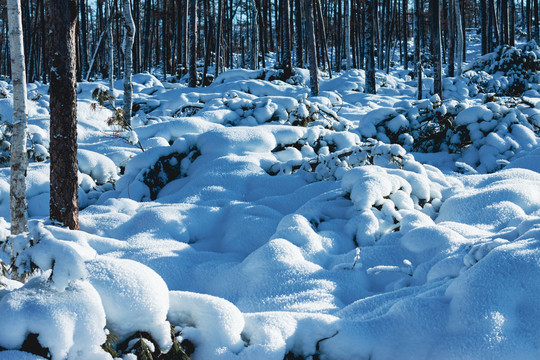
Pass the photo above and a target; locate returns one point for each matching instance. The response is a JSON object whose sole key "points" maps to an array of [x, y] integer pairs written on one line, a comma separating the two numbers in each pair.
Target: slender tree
{"points": [[512, 22], [192, 43], [129, 37], [64, 207], [299, 33], [110, 46], [312, 52], [19, 161], [437, 47], [460, 40], [370, 45], [219, 36], [286, 59], [417, 46], [348, 33], [405, 5]]}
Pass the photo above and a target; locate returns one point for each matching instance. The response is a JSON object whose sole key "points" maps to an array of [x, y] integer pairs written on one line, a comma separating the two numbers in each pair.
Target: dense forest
{"points": [[226, 34]]}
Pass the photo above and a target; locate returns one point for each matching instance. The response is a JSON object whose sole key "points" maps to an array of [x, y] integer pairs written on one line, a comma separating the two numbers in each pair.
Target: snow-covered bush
{"points": [[487, 136], [507, 71]]}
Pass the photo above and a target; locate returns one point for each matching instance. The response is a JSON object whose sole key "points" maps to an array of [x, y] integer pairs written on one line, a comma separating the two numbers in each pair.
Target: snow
{"points": [[69, 323], [261, 222], [126, 288]]}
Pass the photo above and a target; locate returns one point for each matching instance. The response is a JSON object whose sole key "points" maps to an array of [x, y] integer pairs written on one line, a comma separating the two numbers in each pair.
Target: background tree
{"points": [[192, 43], [64, 206], [19, 160], [369, 39], [436, 47], [312, 53], [129, 38]]}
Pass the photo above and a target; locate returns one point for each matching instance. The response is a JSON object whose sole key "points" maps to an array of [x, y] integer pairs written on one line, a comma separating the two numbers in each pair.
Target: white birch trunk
{"points": [[129, 37], [19, 160], [460, 42]]}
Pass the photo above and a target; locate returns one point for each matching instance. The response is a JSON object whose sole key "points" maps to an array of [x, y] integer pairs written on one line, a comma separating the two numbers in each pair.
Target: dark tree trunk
{"points": [[84, 41], [192, 43], [512, 22], [405, 5], [286, 53], [370, 47], [417, 46], [137, 46], [483, 26], [437, 48], [528, 12], [64, 207], [312, 52], [219, 36], [299, 33], [536, 30], [451, 37]]}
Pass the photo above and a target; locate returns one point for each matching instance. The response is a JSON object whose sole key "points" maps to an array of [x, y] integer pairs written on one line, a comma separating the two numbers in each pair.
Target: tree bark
{"points": [[348, 34], [460, 40], [370, 47], [483, 26], [417, 47], [219, 36], [312, 52], [437, 48], [110, 49], [129, 38], [299, 33], [512, 22], [192, 43], [19, 160], [286, 53], [405, 4], [64, 207], [84, 40], [451, 34]]}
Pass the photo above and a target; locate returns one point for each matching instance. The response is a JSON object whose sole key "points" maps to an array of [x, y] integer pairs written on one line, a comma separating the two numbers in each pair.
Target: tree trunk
{"points": [[437, 48], [370, 47], [254, 38], [192, 43], [348, 33], [312, 52], [84, 41], [19, 160], [299, 33], [512, 23], [460, 41], [64, 207], [405, 4], [325, 57], [286, 58], [528, 12], [451, 33], [219, 31], [536, 30], [110, 49], [417, 46], [483, 26], [129, 38]]}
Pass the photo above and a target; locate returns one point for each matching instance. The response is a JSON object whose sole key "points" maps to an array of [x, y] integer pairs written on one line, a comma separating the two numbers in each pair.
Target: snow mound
{"points": [[69, 323], [134, 297], [213, 324]]}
